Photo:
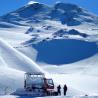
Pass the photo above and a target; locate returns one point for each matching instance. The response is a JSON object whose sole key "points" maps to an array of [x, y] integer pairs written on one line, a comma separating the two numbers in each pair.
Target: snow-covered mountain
{"points": [[62, 39], [50, 25], [65, 13]]}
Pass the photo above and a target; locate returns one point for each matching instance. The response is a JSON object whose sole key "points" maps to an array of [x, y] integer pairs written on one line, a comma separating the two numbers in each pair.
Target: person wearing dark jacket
{"points": [[65, 89], [59, 90]]}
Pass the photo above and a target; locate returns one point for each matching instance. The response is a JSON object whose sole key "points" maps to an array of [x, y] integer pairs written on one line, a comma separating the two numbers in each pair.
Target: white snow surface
{"points": [[8, 96], [82, 75], [13, 65], [16, 59], [10, 80], [31, 2]]}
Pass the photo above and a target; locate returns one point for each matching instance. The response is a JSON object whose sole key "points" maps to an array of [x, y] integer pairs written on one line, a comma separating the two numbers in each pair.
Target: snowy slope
{"points": [[9, 80], [69, 14], [15, 59], [82, 75], [62, 39], [13, 65]]}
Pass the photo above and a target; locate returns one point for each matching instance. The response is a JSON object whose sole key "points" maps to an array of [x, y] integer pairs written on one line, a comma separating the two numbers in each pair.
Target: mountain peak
{"points": [[69, 14], [66, 6], [31, 2]]}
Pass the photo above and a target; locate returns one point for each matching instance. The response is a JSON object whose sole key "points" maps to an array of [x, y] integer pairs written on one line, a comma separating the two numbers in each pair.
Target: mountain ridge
{"points": [[64, 12]]}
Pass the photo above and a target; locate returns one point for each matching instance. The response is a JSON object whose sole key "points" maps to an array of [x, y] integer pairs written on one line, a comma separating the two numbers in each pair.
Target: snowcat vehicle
{"points": [[38, 83]]}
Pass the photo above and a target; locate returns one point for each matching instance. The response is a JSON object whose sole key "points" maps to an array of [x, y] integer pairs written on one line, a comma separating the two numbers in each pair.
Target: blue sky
{"points": [[10, 5]]}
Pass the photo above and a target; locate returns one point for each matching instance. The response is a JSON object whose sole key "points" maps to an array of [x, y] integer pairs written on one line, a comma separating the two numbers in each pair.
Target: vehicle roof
{"points": [[35, 73]]}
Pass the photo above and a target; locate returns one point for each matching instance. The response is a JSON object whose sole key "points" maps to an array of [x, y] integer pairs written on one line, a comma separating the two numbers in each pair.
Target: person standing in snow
{"points": [[65, 89], [59, 90]]}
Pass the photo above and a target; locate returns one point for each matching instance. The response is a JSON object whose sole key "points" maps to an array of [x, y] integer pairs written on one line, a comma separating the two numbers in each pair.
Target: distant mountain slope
{"points": [[69, 14], [42, 27]]}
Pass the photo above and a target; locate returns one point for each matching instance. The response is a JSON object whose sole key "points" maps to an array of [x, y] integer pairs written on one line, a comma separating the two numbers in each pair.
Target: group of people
{"points": [[64, 89]]}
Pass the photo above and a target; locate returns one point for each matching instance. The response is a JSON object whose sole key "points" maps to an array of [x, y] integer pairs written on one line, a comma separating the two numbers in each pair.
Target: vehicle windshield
{"points": [[50, 81]]}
